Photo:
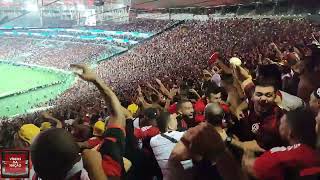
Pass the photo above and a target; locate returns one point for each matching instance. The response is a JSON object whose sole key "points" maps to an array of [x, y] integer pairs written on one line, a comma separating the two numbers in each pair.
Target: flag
{"points": [[213, 58]]}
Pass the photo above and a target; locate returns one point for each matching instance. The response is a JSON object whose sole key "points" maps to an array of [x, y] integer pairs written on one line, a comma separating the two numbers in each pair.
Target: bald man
{"points": [[214, 114]]}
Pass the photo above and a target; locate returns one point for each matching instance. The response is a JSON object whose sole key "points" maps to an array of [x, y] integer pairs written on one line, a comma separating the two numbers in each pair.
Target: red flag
{"points": [[213, 58]]}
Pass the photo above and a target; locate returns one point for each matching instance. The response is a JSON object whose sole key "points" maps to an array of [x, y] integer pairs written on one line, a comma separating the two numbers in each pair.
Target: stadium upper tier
{"points": [[53, 53], [117, 38]]}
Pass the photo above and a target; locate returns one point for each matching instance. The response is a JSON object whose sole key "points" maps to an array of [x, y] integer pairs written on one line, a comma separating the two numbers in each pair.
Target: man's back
{"points": [[162, 146]]}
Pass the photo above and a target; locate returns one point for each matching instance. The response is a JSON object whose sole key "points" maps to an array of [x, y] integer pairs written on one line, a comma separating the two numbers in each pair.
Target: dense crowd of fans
{"points": [[183, 52], [51, 53], [165, 110], [47, 52], [139, 25]]}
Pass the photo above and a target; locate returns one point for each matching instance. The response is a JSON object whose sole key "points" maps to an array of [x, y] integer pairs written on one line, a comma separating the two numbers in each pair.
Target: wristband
{"points": [[316, 93], [228, 140]]}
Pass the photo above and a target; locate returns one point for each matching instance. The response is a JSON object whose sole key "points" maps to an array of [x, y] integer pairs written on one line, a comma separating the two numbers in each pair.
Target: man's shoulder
{"points": [[175, 134], [156, 140]]}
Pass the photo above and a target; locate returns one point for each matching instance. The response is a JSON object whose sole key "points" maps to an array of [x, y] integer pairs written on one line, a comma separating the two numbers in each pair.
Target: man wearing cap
{"points": [[133, 108], [23, 138], [98, 130], [148, 126], [314, 101], [148, 129]]}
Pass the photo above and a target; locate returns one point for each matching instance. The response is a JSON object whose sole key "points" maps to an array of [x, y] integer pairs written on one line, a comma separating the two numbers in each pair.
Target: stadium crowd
{"points": [[139, 25], [165, 110], [52, 53]]}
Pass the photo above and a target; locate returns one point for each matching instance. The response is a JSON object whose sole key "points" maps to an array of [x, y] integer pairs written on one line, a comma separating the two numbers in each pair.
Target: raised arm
{"points": [[225, 68], [152, 88], [49, 117], [278, 52], [195, 93], [243, 76], [92, 163], [108, 94], [141, 99], [126, 113], [163, 89]]}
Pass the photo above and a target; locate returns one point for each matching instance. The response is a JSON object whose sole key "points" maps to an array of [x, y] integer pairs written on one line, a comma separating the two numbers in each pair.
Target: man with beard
{"points": [[185, 114]]}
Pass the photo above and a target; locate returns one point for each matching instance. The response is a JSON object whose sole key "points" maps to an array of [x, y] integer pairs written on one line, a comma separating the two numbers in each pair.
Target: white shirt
{"points": [[162, 148], [216, 78], [136, 123], [290, 102]]}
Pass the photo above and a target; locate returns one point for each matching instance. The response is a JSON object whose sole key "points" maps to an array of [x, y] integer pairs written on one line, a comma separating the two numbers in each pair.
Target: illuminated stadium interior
{"points": [[159, 89], [42, 30]]}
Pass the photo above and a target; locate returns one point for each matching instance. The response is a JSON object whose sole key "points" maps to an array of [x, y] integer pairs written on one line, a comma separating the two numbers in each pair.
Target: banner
{"points": [[15, 164]]}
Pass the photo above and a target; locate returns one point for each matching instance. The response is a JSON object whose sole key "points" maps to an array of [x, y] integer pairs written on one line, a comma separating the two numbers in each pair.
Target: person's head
{"points": [[314, 101], [99, 128], [214, 114], [185, 108], [24, 137], [206, 75], [149, 117], [133, 108], [166, 123], [216, 95], [53, 154], [264, 96], [298, 126], [227, 81], [271, 72], [155, 98]]}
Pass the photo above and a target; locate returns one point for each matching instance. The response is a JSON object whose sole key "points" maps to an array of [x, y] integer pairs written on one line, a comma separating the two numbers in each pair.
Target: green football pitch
{"points": [[24, 88]]}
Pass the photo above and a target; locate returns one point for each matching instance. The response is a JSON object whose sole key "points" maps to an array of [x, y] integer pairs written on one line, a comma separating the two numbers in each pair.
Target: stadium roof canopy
{"points": [[155, 4], [86, 3]]}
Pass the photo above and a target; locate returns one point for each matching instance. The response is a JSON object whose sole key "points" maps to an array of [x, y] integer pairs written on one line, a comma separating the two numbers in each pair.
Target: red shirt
{"points": [[146, 132], [264, 129], [172, 108], [275, 163], [199, 107], [94, 141]]}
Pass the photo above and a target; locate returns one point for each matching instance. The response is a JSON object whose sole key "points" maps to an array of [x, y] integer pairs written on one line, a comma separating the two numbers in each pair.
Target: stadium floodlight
{"points": [[31, 7], [81, 7]]}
